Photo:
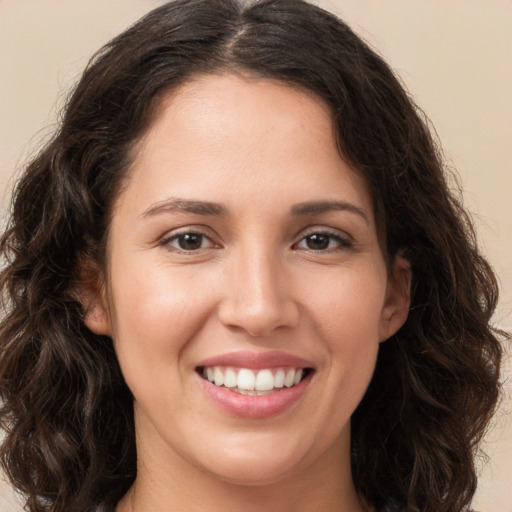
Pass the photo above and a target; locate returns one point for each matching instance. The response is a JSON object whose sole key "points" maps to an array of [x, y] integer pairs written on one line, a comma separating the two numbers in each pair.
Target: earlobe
{"points": [[90, 294], [96, 318], [398, 299]]}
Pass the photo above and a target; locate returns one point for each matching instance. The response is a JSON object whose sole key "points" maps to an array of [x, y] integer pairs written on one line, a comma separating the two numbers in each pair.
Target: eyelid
{"points": [[326, 230], [185, 230], [345, 240]]}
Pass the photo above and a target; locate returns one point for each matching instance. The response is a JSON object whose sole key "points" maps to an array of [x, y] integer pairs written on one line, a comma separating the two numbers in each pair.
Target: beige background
{"points": [[453, 55]]}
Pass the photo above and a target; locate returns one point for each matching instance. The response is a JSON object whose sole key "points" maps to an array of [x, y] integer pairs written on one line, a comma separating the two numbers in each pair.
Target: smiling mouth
{"points": [[253, 382]]}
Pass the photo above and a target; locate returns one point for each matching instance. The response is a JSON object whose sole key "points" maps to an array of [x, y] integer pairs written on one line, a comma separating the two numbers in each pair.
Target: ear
{"points": [[397, 300], [90, 292]]}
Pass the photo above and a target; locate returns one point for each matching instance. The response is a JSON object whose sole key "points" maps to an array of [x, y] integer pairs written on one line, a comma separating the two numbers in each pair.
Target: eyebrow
{"points": [[186, 205], [209, 208], [317, 207]]}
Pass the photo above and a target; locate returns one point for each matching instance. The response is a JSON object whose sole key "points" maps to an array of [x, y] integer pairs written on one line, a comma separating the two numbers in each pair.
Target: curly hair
{"points": [[65, 408]]}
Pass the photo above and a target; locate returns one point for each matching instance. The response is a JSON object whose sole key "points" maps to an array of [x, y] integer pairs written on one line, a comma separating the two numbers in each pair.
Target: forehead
{"points": [[227, 106], [245, 135]]}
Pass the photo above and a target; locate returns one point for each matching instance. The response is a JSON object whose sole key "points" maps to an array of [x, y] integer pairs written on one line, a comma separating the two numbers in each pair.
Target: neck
{"points": [[325, 486], [278, 498]]}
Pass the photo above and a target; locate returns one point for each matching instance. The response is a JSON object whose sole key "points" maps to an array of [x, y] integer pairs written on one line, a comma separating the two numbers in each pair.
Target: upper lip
{"points": [[256, 360]]}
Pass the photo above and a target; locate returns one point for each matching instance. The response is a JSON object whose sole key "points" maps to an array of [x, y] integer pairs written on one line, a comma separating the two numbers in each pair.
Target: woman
{"points": [[237, 268]]}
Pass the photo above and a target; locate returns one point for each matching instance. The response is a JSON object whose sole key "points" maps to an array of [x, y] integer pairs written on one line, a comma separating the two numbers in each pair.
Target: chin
{"points": [[254, 467], [255, 475]]}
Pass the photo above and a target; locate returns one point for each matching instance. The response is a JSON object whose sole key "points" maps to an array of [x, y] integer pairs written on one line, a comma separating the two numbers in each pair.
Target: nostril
{"points": [[260, 312]]}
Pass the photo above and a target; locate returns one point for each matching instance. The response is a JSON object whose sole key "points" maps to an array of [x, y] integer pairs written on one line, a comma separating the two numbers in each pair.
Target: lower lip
{"points": [[255, 407]]}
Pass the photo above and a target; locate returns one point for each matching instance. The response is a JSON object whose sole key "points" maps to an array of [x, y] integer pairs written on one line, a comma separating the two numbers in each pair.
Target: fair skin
{"points": [[241, 231]]}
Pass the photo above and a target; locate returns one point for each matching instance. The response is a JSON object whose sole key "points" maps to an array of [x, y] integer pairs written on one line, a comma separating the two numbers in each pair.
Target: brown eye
{"points": [[317, 242], [189, 242], [321, 241]]}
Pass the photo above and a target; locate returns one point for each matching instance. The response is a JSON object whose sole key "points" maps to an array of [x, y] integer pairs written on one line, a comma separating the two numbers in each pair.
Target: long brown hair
{"points": [[67, 413]]}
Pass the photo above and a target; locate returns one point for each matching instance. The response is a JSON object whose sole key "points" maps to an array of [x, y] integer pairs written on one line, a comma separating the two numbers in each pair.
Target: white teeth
{"points": [[218, 376], [290, 376], [248, 392], [253, 382], [246, 379], [230, 380], [264, 381], [279, 379]]}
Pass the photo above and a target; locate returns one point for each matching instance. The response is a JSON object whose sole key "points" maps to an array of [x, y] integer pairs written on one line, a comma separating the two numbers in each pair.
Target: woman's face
{"points": [[243, 250]]}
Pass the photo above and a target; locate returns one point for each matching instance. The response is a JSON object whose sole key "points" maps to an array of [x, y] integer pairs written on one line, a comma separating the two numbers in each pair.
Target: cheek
{"points": [[155, 313], [347, 305], [347, 314]]}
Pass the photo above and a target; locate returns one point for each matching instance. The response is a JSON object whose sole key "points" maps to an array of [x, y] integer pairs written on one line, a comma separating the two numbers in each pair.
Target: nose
{"points": [[258, 298]]}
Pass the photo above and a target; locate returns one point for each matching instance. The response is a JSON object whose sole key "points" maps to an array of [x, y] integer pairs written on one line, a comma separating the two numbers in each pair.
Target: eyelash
{"points": [[343, 242], [167, 241]]}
